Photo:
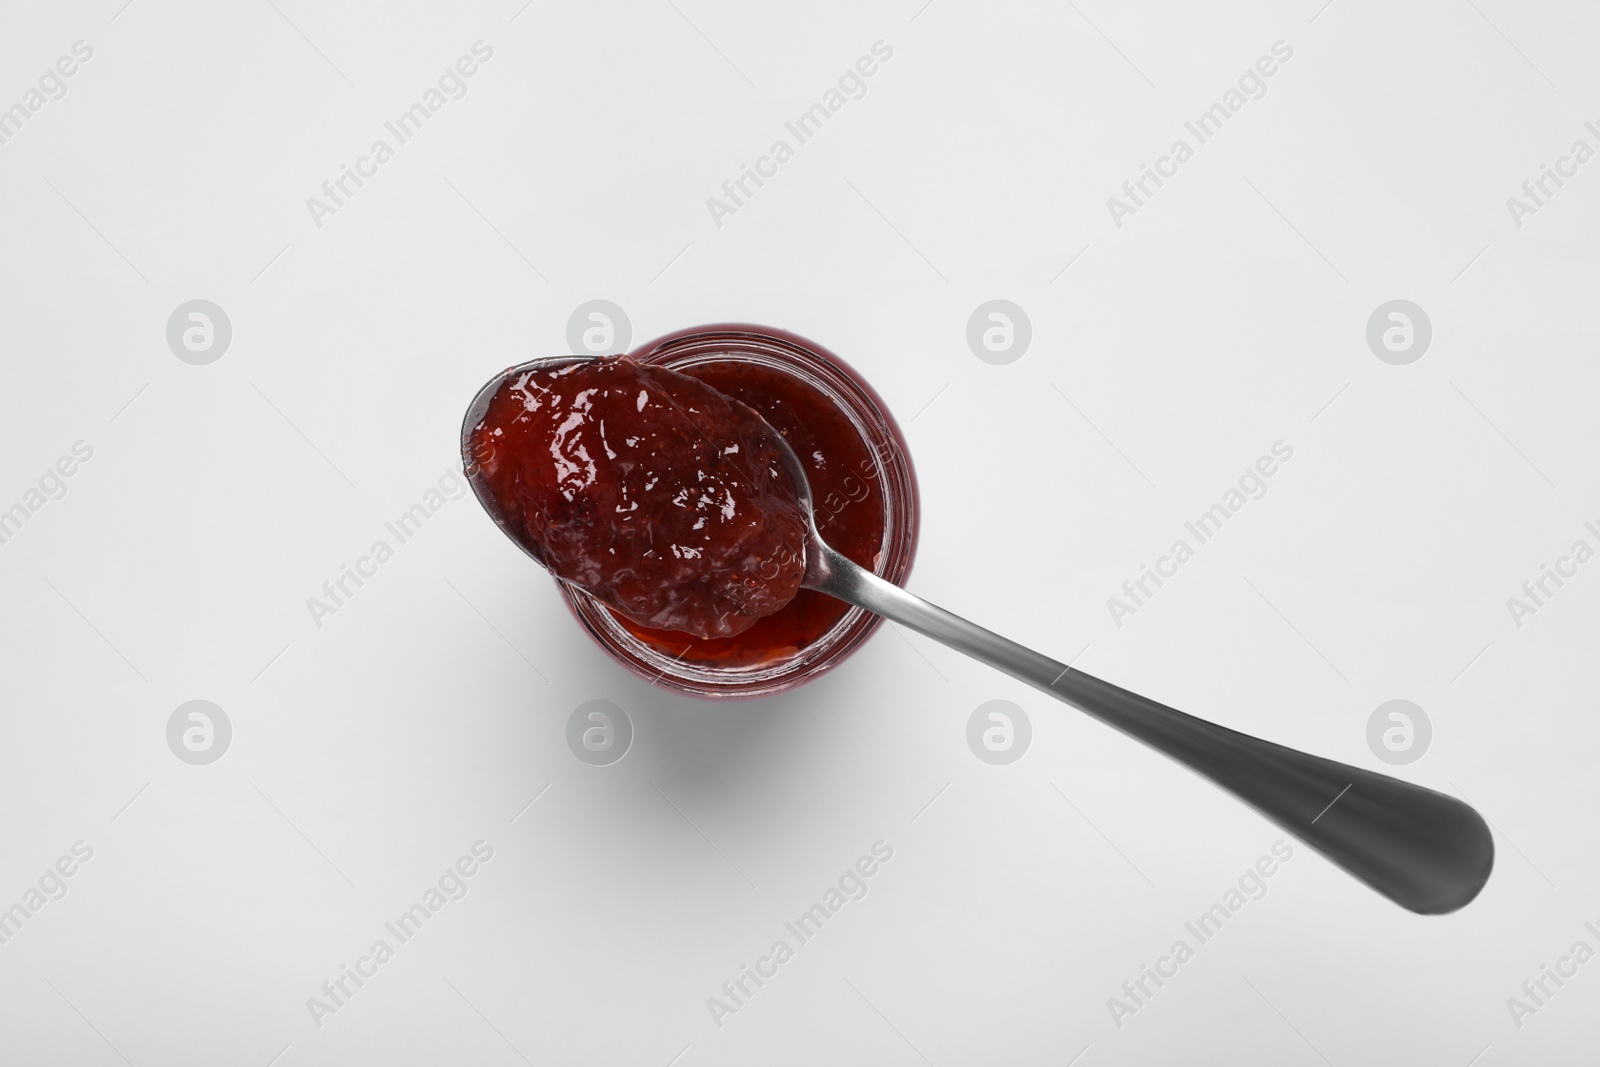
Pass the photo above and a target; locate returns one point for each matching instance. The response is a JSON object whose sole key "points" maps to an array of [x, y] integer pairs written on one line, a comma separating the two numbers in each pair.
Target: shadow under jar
{"points": [[865, 494]]}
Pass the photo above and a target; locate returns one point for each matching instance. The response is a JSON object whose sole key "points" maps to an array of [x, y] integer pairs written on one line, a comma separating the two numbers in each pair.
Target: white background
{"points": [[368, 754]]}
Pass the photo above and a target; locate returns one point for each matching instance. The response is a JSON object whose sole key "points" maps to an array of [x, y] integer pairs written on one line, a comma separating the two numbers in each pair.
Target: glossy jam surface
{"points": [[661, 496], [846, 494]]}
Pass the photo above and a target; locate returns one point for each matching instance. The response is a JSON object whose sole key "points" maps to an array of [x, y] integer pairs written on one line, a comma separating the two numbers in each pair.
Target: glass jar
{"points": [[864, 491]]}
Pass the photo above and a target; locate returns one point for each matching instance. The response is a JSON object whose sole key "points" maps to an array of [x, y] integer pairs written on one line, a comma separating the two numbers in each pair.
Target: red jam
{"points": [[849, 509], [662, 497]]}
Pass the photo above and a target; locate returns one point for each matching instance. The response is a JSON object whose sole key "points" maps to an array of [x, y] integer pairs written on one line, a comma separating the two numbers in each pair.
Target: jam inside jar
{"points": [[863, 491]]}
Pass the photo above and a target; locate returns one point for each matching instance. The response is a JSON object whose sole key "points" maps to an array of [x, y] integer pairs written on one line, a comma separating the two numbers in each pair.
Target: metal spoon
{"points": [[1423, 850]]}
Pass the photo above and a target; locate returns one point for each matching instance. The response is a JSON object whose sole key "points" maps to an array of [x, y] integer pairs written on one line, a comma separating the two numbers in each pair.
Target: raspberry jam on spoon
{"points": [[657, 494]]}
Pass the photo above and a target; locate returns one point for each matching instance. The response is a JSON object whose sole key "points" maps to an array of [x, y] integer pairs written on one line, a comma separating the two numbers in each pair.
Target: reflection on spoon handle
{"points": [[1423, 850]]}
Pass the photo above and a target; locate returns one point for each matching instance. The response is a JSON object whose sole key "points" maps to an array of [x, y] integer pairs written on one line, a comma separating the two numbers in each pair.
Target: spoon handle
{"points": [[1425, 851]]}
